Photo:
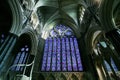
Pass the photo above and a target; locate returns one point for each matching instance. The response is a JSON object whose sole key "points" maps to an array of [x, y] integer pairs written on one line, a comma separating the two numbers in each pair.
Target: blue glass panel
{"points": [[20, 61], [74, 64], [49, 55], [43, 67], [61, 31], [27, 49], [80, 67], [53, 67], [107, 66], [64, 67], [113, 65], [68, 55], [48, 67], [22, 49], [61, 54], [45, 55], [24, 60], [58, 54], [16, 60], [58, 67]]}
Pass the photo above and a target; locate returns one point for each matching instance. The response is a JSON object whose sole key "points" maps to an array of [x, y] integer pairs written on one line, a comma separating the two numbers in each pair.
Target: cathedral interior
{"points": [[59, 40]]}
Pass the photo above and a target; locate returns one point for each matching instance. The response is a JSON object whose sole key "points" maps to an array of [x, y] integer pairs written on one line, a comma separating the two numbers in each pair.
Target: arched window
{"points": [[61, 51], [23, 59]]}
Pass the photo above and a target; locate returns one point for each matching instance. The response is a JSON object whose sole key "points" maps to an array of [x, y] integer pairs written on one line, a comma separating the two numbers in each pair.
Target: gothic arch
{"points": [[16, 15], [22, 59], [33, 39]]}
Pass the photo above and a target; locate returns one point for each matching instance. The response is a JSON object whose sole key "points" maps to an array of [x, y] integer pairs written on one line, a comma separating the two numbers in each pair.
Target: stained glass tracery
{"points": [[61, 31], [61, 53]]}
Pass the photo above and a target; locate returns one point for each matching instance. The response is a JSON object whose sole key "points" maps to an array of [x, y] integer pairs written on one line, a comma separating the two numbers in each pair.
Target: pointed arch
{"points": [[22, 55], [33, 39]]}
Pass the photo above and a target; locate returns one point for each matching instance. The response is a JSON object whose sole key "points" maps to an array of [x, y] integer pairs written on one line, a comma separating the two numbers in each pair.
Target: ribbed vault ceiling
{"points": [[51, 10], [58, 10]]}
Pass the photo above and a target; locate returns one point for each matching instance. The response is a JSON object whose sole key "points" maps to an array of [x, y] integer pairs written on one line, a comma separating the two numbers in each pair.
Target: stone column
{"points": [[6, 51]]}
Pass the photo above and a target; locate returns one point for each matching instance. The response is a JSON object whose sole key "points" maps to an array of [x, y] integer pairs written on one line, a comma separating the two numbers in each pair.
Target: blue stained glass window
{"points": [[22, 49], [107, 66], [20, 61], [20, 58], [16, 60], [113, 65], [61, 52], [24, 60]]}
